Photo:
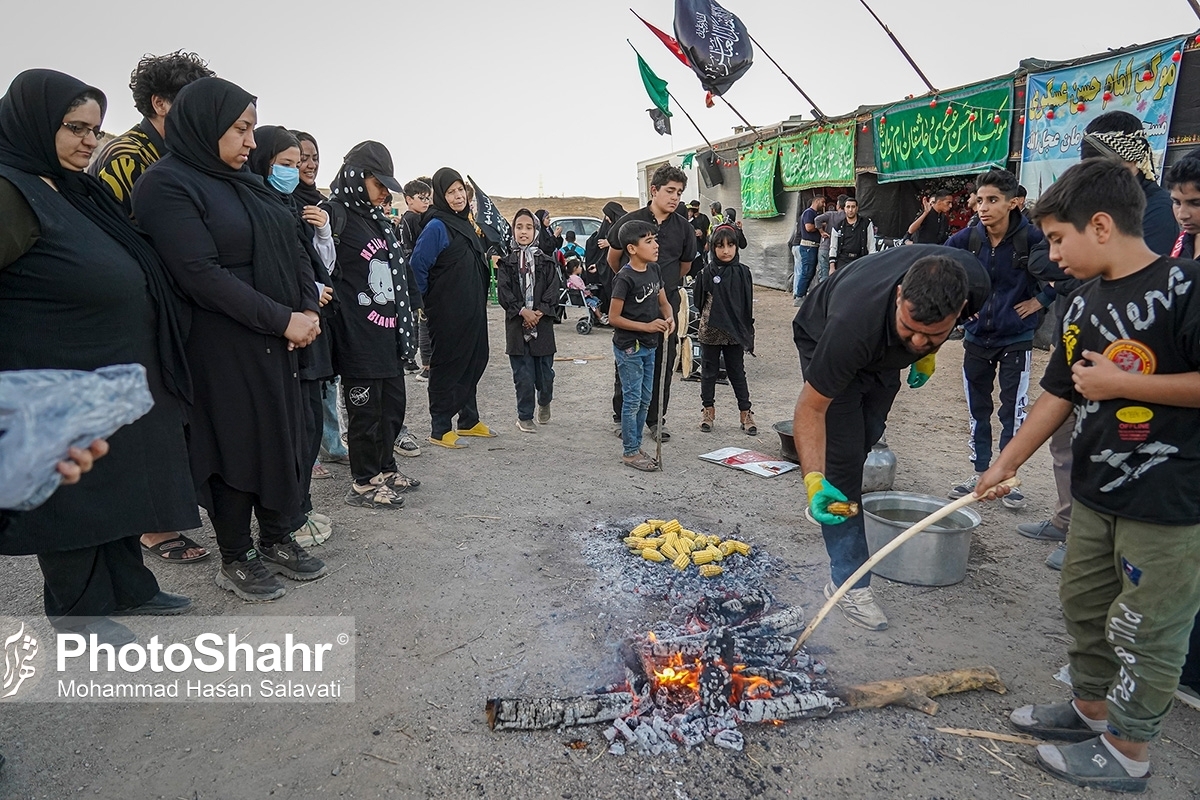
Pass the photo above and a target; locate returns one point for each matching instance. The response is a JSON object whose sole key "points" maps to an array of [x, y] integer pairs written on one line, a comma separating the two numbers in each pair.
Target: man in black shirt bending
{"points": [[855, 332], [676, 251]]}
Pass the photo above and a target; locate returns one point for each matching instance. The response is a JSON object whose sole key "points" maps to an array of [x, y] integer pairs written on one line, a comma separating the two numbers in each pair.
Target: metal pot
{"points": [[937, 556]]}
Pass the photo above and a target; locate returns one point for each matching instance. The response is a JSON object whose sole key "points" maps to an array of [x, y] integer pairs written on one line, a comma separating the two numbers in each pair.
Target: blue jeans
{"points": [[636, 368], [806, 264], [532, 375], [822, 264], [331, 434]]}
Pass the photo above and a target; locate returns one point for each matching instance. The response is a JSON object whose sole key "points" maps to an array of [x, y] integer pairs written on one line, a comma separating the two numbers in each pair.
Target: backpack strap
{"points": [[975, 241], [337, 218]]}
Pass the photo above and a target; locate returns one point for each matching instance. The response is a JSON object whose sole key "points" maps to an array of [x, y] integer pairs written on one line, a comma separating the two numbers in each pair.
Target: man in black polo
{"points": [[855, 332], [701, 224], [933, 226], [676, 251]]}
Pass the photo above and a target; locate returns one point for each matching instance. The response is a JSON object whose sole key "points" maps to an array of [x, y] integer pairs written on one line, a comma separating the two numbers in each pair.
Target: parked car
{"points": [[583, 227]]}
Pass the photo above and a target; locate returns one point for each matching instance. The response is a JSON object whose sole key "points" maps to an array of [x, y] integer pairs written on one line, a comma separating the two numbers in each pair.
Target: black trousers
{"points": [[230, 516], [375, 411], [313, 396], [442, 423], [669, 352], [96, 581], [735, 370], [424, 343], [854, 421]]}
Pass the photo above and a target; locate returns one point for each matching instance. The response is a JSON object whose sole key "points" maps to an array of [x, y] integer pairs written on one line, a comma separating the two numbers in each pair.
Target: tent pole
{"points": [[818, 113], [900, 47]]}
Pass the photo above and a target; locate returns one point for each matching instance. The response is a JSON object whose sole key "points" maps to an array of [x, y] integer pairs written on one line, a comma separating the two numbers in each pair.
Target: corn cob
{"points": [[671, 527], [682, 562], [653, 542], [685, 546], [843, 509], [642, 530], [656, 523], [717, 555], [742, 548], [727, 547], [634, 541], [686, 534], [700, 557], [710, 570], [653, 555], [669, 551]]}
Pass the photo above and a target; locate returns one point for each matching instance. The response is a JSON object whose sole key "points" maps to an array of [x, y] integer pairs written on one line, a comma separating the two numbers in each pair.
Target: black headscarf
{"points": [[271, 140], [31, 114], [349, 189], [307, 195], [201, 114], [459, 221], [613, 211]]}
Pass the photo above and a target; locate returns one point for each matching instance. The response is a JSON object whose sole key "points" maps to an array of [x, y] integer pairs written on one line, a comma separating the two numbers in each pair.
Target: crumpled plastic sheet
{"points": [[43, 412]]}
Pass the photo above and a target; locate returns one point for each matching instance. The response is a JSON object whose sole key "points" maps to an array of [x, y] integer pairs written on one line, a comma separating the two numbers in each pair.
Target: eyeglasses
{"points": [[425, 198], [82, 131]]}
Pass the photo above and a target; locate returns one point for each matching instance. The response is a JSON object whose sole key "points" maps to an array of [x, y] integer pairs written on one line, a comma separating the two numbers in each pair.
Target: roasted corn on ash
{"points": [[667, 541]]}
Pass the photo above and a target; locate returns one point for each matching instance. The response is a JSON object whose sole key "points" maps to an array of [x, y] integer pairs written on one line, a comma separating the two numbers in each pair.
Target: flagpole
{"points": [[739, 114], [818, 112], [899, 46], [689, 119], [1195, 4]]}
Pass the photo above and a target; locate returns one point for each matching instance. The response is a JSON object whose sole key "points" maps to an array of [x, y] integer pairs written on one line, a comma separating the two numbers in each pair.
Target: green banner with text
{"points": [[817, 158], [957, 132], [757, 166]]}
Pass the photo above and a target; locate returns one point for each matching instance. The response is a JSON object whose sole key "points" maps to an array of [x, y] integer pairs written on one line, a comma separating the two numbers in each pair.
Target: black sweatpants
{"points": [[854, 422], [424, 343], [230, 516], [669, 352], [96, 581], [1015, 363], [375, 411], [735, 370], [313, 394]]}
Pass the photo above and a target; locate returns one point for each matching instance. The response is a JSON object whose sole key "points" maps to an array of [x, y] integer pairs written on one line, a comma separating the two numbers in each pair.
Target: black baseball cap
{"points": [[694, 204], [373, 158]]}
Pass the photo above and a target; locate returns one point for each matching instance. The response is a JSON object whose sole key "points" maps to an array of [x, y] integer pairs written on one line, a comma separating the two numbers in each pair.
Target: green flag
{"points": [[656, 87]]}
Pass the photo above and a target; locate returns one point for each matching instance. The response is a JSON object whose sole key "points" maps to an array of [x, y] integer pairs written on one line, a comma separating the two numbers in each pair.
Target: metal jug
{"points": [[879, 470]]}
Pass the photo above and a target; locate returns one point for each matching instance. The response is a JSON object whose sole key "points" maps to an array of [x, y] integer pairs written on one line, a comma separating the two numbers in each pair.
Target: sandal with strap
{"points": [[1090, 764], [376, 496], [399, 482], [174, 550], [1056, 721], [641, 462]]}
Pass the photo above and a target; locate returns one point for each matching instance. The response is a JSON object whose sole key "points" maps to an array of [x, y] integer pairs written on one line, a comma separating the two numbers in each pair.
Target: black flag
{"points": [[715, 41], [489, 219], [662, 123]]}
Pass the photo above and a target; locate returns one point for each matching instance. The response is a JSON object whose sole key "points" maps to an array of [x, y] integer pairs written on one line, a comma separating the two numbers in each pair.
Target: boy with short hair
{"points": [[641, 316], [1000, 338], [570, 248], [1127, 364]]}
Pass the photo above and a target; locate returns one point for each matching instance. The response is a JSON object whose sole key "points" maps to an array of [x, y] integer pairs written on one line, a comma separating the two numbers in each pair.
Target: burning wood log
{"points": [[517, 714], [804, 705], [915, 692]]}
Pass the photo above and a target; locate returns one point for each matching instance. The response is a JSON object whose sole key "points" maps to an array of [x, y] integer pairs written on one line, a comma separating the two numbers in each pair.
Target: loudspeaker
{"points": [[710, 170]]}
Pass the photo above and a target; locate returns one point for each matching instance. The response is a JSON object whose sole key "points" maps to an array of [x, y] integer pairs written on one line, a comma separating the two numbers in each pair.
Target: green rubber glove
{"points": [[920, 372], [820, 494]]}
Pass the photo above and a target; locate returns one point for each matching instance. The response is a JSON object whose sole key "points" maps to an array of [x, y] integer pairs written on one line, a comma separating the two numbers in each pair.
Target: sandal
{"points": [[376, 496], [173, 550], [1089, 764], [478, 429], [319, 472], [1057, 721], [449, 440], [399, 482], [640, 461]]}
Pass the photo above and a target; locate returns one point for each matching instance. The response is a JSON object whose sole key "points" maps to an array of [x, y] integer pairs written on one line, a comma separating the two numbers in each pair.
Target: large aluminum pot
{"points": [[935, 557]]}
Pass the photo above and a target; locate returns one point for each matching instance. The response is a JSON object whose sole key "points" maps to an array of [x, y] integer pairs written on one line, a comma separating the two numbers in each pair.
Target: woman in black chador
{"points": [[81, 289], [451, 269], [232, 246]]}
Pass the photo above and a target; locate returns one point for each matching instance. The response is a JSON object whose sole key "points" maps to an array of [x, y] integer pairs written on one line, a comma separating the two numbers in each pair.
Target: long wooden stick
{"points": [[899, 46], [662, 387], [886, 551]]}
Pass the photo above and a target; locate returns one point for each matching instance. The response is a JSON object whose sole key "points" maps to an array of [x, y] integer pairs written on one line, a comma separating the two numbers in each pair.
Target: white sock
{"points": [[1136, 769], [1097, 725]]}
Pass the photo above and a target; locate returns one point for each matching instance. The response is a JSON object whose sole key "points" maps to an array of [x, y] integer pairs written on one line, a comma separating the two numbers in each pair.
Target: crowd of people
{"points": [[263, 312]]}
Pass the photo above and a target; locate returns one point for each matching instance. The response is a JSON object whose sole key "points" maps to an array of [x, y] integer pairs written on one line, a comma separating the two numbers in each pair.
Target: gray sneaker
{"points": [[526, 426], [1015, 500], [543, 415], [290, 559], [860, 608], [964, 488], [1043, 531], [250, 579], [1055, 559], [406, 445]]}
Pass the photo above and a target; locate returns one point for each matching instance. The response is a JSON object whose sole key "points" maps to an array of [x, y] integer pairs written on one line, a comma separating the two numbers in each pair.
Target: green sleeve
{"points": [[19, 227]]}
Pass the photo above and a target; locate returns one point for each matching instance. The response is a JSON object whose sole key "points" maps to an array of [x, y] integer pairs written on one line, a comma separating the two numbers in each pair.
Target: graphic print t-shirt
{"points": [[640, 291], [1135, 459], [364, 330]]}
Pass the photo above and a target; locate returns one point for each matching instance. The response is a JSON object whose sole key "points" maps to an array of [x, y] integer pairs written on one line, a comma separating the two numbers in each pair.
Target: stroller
{"points": [[574, 299]]}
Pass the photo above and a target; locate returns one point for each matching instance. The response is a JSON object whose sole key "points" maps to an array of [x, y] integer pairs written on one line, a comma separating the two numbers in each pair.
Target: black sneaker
{"points": [[411, 367], [290, 559], [250, 579], [666, 435]]}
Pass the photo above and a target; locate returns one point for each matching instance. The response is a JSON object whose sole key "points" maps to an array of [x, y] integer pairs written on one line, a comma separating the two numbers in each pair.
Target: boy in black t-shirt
{"points": [[1127, 364], [641, 316]]}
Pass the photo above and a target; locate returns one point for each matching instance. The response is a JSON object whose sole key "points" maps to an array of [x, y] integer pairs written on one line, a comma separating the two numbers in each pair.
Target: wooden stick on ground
{"points": [[995, 737], [915, 692], [883, 553]]}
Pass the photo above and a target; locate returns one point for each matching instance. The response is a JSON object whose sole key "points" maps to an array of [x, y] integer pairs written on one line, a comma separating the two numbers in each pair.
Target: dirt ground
{"points": [[562, 206], [480, 588]]}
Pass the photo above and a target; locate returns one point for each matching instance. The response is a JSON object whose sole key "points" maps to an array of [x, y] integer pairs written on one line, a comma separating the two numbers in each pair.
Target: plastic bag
{"points": [[45, 411]]}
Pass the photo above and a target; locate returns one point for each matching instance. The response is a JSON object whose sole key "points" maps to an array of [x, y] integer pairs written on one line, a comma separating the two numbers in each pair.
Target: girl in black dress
{"points": [[233, 249], [80, 289]]}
